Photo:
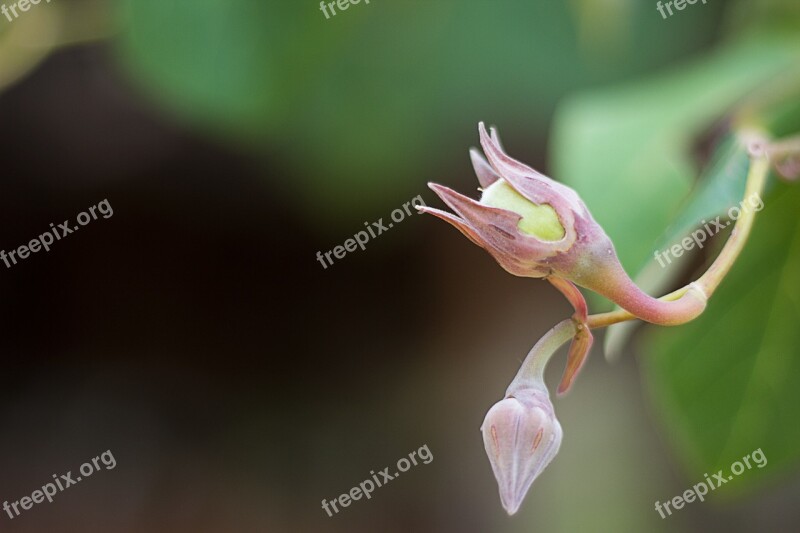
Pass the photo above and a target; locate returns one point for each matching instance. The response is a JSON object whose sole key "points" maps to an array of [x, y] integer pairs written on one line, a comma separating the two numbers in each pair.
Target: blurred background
{"points": [[238, 382]]}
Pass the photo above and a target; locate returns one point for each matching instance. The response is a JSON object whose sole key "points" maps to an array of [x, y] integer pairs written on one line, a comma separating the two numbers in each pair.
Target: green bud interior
{"points": [[541, 221]]}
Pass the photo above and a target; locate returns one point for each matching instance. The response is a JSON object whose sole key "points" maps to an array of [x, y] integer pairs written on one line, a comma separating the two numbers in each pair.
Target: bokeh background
{"points": [[236, 381]]}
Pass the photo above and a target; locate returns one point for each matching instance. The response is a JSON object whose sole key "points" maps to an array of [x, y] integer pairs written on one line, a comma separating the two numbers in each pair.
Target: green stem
{"points": [[531, 373], [708, 282]]}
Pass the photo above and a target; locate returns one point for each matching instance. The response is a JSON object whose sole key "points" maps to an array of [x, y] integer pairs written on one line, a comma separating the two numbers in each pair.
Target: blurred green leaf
{"points": [[358, 106], [720, 187], [207, 59], [726, 384], [723, 382], [625, 149]]}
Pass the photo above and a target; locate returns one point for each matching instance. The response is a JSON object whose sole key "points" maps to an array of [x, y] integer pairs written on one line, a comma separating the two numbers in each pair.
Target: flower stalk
{"points": [[536, 227], [710, 280]]}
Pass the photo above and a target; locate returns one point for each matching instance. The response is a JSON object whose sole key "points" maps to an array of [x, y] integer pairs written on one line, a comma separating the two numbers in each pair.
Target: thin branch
{"points": [[708, 282]]}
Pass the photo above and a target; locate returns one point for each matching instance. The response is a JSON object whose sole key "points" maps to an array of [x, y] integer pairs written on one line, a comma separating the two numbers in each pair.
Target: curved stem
{"points": [[618, 287], [531, 373], [601, 320], [756, 179], [788, 146], [785, 156], [582, 340], [708, 282]]}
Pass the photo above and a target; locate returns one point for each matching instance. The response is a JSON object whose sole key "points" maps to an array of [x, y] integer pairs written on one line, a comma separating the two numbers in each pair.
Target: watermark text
{"points": [[709, 229], [366, 487], [59, 484], [374, 229], [56, 233], [701, 489]]}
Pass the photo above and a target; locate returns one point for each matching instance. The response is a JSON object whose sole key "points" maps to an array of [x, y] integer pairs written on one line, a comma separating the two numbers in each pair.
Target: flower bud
{"points": [[531, 225], [536, 227], [521, 435]]}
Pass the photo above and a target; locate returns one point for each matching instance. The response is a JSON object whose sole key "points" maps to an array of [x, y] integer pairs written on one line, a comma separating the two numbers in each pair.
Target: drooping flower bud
{"points": [[521, 435]]}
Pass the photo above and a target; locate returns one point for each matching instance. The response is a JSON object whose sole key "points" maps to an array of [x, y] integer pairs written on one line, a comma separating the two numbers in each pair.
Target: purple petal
{"points": [[484, 171], [497, 227], [531, 184], [456, 222], [496, 137]]}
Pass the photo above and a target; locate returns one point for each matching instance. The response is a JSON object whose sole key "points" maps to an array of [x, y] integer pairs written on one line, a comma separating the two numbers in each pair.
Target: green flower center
{"points": [[541, 221]]}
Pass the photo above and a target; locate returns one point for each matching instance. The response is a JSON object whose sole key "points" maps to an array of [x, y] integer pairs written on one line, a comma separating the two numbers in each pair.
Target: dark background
{"points": [[237, 382]]}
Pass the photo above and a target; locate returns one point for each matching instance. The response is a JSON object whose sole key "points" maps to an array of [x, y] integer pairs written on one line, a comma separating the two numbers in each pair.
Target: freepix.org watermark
{"points": [[22, 5], [59, 484], [699, 236], [680, 5], [366, 487], [701, 489], [362, 237], [343, 5], [56, 233]]}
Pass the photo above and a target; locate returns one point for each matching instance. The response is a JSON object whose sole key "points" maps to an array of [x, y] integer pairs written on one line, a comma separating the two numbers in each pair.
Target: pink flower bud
{"points": [[522, 436], [536, 227]]}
